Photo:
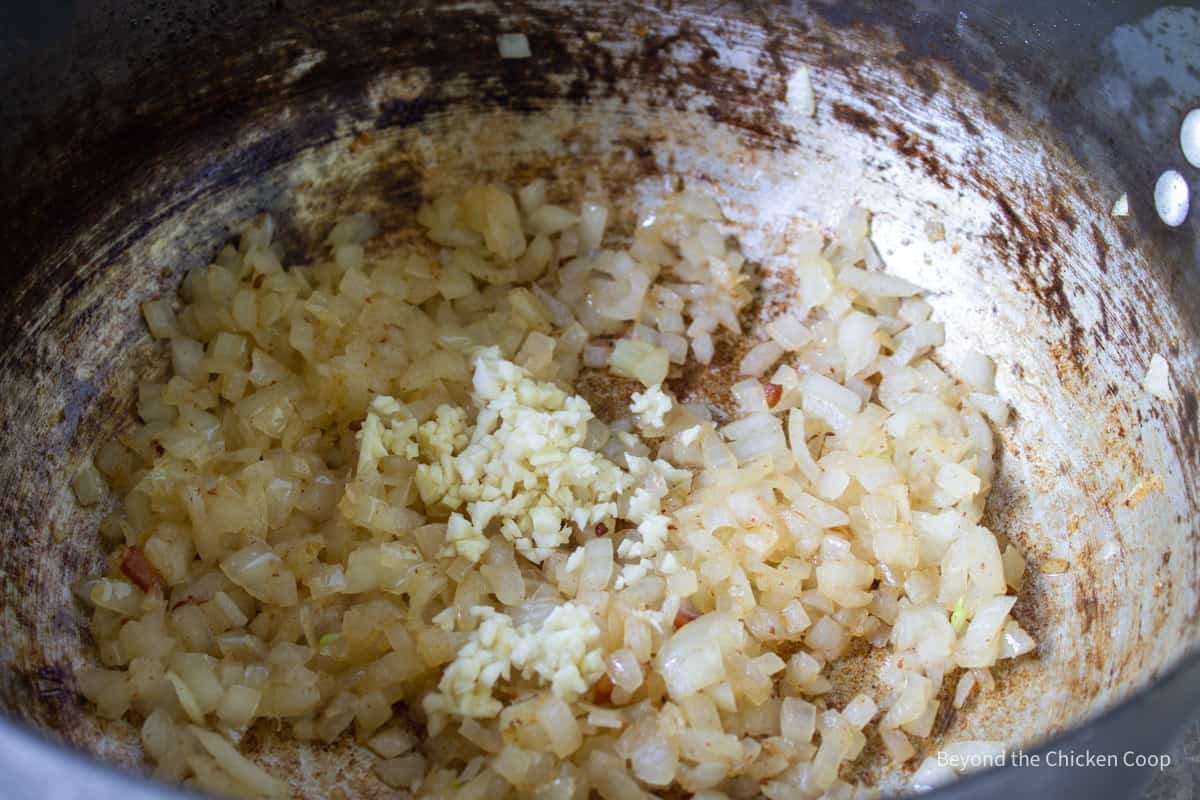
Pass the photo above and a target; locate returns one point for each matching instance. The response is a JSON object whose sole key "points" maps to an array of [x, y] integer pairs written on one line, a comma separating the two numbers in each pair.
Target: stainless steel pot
{"points": [[135, 134]]}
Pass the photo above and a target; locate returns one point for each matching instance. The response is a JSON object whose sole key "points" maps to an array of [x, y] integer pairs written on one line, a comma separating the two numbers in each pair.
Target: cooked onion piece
{"points": [[380, 491]]}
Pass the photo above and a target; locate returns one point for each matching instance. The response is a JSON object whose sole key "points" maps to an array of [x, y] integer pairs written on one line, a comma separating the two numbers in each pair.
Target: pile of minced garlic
{"points": [[371, 502]]}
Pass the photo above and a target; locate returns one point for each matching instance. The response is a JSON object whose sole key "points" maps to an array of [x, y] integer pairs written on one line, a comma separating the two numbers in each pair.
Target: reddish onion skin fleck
{"points": [[772, 392], [601, 529], [139, 570], [684, 615]]}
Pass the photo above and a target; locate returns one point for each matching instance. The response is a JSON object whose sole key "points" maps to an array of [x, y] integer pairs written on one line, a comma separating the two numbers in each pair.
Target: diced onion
{"points": [[800, 92], [1158, 378], [409, 474], [644, 362], [513, 46], [760, 358]]}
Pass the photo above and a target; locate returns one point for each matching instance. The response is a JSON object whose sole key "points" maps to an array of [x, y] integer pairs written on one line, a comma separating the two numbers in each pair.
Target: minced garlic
{"points": [[563, 653], [651, 408]]}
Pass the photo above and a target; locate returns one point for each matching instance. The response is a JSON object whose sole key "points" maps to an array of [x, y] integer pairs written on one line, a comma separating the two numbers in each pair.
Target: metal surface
{"points": [[126, 169]]}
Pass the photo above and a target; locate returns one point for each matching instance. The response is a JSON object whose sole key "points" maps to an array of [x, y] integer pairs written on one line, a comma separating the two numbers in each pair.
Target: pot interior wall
{"points": [[1033, 271]]}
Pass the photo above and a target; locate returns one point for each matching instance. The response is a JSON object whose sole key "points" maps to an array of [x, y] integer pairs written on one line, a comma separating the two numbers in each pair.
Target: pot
{"points": [[137, 135]]}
